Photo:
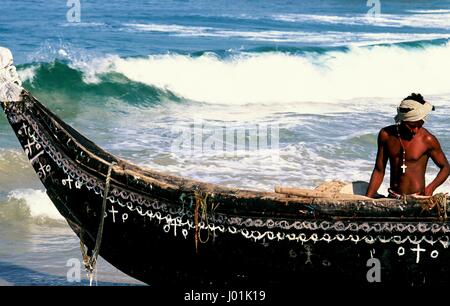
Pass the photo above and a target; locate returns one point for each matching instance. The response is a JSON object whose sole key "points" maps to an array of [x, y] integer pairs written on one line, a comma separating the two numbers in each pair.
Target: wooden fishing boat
{"points": [[167, 230]]}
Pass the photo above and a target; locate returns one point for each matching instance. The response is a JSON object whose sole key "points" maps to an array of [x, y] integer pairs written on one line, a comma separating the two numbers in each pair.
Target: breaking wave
{"points": [[29, 206], [249, 77]]}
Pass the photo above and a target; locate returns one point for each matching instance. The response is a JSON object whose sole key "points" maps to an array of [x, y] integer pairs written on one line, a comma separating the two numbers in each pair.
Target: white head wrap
{"points": [[417, 111]]}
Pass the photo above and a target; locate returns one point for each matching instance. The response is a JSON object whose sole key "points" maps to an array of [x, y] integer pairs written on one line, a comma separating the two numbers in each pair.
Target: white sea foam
{"points": [[332, 38], [94, 67], [439, 11], [27, 74], [83, 24], [439, 19], [38, 202], [297, 165], [172, 28]]}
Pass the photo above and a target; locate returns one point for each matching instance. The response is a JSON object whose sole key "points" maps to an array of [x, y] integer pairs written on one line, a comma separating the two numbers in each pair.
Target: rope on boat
{"points": [[200, 203], [90, 262], [440, 202]]}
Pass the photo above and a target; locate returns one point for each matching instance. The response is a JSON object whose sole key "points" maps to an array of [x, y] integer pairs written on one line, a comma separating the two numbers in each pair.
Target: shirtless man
{"points": [[407, 146]]}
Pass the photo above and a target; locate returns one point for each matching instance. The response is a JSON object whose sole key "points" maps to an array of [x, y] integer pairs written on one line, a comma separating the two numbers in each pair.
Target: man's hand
{"points": [[428, 191]]}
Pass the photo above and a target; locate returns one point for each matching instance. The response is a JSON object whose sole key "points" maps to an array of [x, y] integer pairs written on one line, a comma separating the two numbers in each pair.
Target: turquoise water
{"points": [[132, 76]]}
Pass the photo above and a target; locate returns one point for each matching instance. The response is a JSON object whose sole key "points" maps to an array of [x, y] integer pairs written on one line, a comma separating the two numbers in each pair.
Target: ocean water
{"points": [[136, 76]]}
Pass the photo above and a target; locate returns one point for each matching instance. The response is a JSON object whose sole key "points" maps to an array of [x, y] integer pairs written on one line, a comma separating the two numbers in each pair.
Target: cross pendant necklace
{"points": [[404, 166]]}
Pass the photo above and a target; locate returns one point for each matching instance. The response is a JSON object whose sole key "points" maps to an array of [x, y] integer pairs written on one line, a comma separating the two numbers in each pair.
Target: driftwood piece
{"points": [[300, 192]]}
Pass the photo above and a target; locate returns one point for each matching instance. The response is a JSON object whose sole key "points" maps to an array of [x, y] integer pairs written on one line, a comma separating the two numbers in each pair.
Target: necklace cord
{"points": [[403, 150]]}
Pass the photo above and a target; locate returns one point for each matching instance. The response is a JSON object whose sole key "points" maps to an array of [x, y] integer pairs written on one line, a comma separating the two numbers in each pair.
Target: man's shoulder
{"points": [[388, 131], [428, 137]]}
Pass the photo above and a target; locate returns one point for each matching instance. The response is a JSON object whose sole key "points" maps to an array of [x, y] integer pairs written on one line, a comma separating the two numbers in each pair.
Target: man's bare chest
{"points": [[415, 150]]}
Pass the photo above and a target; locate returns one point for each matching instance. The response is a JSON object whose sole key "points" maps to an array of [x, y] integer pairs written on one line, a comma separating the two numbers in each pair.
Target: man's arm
{"points": [[380, 165], [438, 157]]}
